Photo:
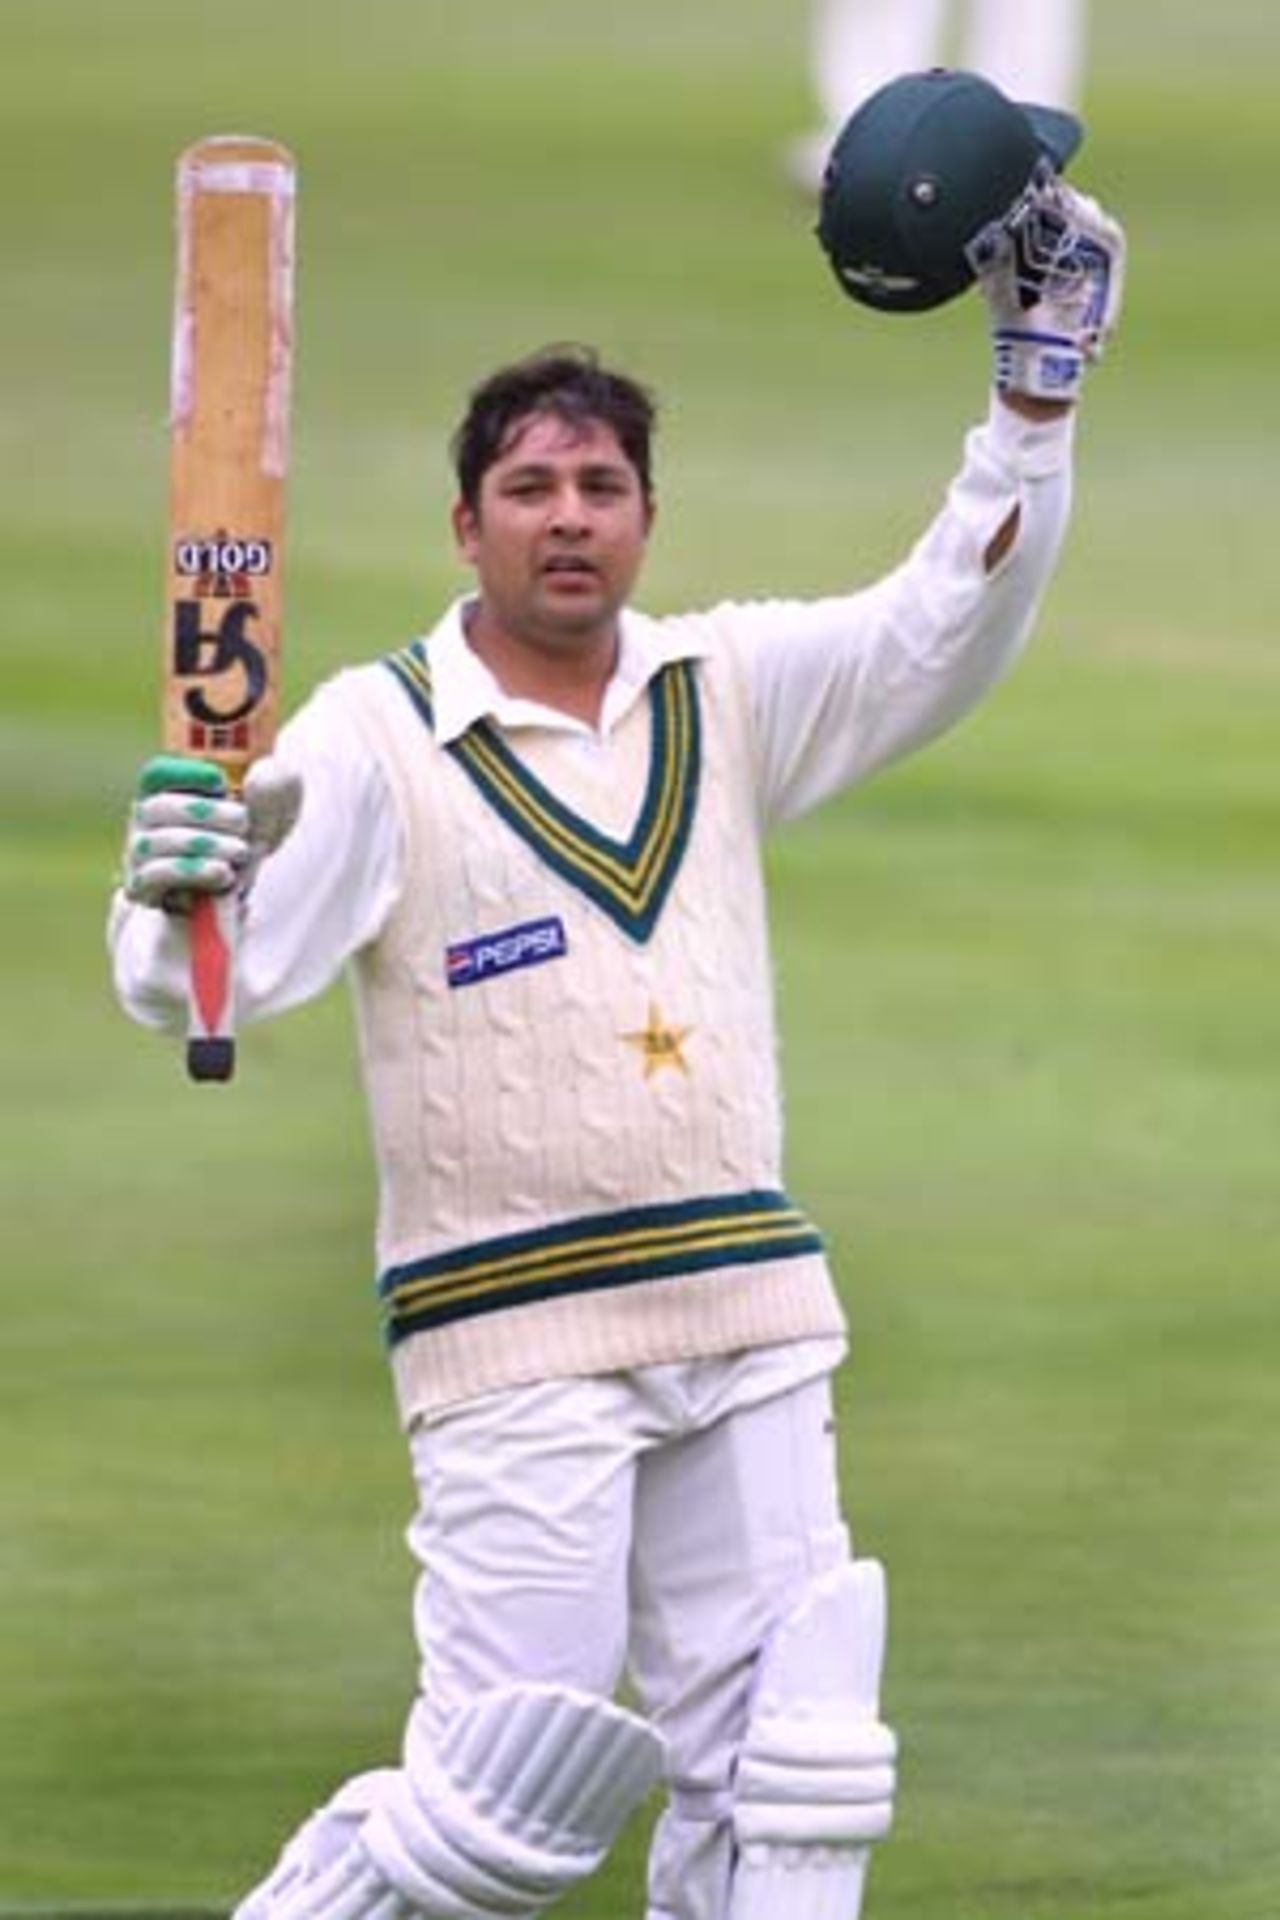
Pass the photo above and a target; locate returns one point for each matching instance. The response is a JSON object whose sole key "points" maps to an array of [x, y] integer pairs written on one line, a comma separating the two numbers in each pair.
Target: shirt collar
{"points": [[464, 690]]}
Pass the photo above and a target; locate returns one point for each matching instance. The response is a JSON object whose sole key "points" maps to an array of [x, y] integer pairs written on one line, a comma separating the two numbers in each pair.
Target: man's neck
{"points": [[572, 679]]}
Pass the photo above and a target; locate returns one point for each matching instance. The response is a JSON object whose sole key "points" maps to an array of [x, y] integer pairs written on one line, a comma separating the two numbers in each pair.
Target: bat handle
{"points": [[214, 930]]}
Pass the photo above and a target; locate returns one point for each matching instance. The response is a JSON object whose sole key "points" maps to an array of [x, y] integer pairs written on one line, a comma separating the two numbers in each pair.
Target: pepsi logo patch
{"points": [[468, 962]]}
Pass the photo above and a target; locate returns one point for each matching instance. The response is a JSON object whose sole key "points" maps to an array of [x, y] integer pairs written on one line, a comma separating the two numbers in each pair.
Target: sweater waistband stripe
{"points": [[598, 1251]]}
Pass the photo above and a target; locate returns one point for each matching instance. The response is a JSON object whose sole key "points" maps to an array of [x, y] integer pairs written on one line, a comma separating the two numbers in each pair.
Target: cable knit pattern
{"points": [[580, 1159]]}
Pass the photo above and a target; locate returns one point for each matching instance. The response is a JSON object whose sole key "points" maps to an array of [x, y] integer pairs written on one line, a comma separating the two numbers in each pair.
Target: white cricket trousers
{"points": [[653, 1525]]}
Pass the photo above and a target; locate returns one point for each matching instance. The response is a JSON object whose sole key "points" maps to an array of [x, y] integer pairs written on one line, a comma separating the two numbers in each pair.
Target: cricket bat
{"points": [[232, 353]]}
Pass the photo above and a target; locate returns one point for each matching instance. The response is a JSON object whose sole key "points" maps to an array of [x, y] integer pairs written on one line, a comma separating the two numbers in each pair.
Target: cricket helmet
{"points": [[918, 171]]}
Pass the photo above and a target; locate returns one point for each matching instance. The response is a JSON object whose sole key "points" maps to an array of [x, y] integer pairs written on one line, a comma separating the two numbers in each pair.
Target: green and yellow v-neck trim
{"points": [[629, 880]]}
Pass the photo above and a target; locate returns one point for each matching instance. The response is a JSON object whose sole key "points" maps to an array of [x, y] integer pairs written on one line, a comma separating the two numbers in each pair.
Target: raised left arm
{"points": [[842, 686]]}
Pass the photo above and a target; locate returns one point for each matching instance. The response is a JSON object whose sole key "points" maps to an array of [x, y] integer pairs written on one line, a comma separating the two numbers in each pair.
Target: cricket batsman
{"points": [[533, 838]]}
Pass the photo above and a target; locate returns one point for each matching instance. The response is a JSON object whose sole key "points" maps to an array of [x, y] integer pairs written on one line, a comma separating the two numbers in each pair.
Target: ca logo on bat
{"points": [[221, 567], [203, 653]]}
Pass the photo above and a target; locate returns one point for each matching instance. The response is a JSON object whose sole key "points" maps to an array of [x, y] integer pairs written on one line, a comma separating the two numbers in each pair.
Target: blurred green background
{"points": [[1028, 983]]}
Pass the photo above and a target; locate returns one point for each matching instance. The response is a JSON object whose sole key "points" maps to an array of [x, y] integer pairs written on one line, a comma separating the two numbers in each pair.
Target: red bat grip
{"points": [[211, 1046]]}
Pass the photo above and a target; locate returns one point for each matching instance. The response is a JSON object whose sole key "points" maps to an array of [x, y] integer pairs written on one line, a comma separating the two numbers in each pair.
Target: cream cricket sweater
{"points": [[562, 972], [569, 1049]]}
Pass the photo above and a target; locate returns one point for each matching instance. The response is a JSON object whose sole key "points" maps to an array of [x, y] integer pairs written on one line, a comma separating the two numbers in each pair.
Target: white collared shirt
{"points": [[466, 691], [841, 686]]}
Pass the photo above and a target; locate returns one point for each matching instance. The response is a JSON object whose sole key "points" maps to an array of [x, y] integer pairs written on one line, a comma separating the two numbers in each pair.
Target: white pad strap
{"points": [[524, 1795], [817, 1775]]}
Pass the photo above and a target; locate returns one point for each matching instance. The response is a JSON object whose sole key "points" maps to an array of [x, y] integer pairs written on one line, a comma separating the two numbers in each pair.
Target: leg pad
{"points": [[523, 1795], [818, 1771]]}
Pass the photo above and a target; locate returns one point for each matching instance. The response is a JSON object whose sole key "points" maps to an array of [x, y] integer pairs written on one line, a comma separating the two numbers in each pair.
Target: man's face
{"points": [[558, 534]]}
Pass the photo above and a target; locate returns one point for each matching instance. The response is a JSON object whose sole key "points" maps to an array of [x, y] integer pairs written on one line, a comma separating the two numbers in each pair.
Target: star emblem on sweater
{"points": [[659, 1044]]}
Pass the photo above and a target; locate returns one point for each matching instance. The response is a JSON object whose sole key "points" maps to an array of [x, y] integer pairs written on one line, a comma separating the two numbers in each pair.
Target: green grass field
{"points": [[1028, 982]]}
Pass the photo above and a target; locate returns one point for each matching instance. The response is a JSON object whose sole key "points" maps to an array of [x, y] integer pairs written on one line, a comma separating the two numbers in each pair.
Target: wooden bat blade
{"points": [[229, 427]]}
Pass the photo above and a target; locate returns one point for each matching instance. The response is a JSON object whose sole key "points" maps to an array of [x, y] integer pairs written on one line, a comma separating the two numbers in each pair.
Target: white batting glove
{"points": [[189, 834], [1052, 273]]}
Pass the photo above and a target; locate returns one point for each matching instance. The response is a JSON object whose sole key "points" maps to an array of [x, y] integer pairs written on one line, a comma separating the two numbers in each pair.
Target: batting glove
{"points": [[189, 834], [1052, 272]]}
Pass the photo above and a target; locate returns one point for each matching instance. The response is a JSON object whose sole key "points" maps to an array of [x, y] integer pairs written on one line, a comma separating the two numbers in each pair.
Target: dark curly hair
{"points": [[568, 382]]}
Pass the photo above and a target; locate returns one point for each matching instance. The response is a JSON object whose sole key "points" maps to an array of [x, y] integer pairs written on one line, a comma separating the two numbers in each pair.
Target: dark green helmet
{"points": [[919, 170]]}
